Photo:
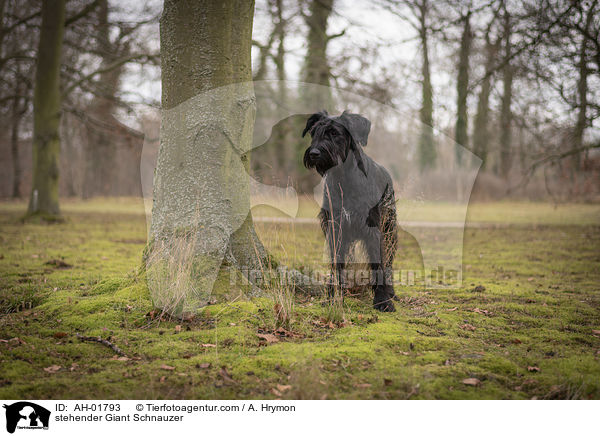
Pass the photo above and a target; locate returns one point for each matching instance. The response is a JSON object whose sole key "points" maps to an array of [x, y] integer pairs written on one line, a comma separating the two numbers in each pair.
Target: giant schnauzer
{"points": [[358, 200]]}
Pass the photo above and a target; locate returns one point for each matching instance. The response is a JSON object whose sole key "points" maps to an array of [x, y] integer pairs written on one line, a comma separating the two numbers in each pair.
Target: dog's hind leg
{"points": [[389, 241], [381, 248]]}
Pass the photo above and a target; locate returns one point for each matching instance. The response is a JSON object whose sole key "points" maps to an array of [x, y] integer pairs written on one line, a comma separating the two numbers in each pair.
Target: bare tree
{"points": [[417, 13], [505, 112], [481, 135], [462, 84], [316, 64]]}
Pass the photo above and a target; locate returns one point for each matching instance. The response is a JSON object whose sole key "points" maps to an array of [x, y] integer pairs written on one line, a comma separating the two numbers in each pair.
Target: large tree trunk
{"points": [[427, 155], [462, 87], [316, 68], [506, 113], [46, 112], [201, 212]]}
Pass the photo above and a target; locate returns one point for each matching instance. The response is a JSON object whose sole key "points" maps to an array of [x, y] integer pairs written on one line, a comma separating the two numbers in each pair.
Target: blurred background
{"points": [[515, 82]]}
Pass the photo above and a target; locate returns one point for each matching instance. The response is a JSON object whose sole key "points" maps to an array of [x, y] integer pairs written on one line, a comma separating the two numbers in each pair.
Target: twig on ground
{"points": [[104, 342]]}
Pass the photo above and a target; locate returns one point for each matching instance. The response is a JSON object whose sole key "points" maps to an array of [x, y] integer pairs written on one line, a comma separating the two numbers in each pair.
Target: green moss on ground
{"points": [[533, 331]]}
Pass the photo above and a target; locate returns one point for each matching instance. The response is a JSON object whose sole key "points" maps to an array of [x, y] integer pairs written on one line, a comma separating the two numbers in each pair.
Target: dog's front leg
{"points": [[338, 250], [381, 281], [336, 284]]}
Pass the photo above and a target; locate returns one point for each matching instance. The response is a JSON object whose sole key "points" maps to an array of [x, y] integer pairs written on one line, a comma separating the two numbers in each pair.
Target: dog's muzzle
{"points": [[314, 155]]}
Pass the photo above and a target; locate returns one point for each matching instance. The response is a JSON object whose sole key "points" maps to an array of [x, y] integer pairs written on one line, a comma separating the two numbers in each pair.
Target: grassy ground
{"points": [[525, 324]]}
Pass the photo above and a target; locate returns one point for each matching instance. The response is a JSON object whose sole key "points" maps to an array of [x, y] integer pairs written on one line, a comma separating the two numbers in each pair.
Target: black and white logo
{"points": [[26, 415]]}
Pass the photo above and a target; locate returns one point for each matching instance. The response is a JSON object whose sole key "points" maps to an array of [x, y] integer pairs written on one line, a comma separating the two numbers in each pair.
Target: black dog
{"points": [[358, 199]]}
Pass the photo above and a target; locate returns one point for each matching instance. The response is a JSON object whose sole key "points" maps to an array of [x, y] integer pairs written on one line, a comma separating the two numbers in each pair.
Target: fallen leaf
{"points": [[533, 369], [205, 365], [276, 392], [283, 388], [270, 338], [362, 385], [121, 358], [74, 366], [177, 328], [209, 345], [471, 381], [516, 341], [162, 379], [60, 335], [482, 311], [452, 310], [468, 327], [596, 332], [167, 367], [53, 369], [387, 382]]}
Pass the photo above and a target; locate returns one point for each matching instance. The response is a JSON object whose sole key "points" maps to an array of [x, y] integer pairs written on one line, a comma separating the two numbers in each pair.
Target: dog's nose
{"points": [[314, 154]]}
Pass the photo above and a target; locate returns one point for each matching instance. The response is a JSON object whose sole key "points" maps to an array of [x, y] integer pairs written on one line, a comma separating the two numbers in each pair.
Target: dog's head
{"points": [[333, 138]]}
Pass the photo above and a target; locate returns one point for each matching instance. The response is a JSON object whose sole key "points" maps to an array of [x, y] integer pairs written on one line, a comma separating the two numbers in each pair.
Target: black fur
{"points": [[358, 199]]}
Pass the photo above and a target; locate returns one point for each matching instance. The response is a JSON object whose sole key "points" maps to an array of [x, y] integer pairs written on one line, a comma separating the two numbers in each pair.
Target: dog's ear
{"points": [[314, 119], [357, 125]]}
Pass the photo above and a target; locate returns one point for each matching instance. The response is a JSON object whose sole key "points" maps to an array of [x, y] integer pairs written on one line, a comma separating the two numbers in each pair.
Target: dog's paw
{"points": [[384, 306]]}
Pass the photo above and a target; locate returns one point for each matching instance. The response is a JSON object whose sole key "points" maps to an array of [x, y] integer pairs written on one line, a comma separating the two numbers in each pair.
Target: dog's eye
{"points": [[334, 133]]}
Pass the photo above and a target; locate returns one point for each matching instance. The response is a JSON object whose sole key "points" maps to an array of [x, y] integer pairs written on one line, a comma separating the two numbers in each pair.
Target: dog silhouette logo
{"points": [[26, 415]]}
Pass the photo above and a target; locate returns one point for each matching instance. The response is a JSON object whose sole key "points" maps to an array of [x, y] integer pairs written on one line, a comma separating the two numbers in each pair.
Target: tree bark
{"points": [[427, 155], [462, 87], [46, 112], [506, 113]]}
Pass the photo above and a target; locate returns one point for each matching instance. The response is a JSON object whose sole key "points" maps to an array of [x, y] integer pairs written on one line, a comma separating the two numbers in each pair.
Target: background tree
{"points": [[46, 112], [481, 130], [316, 64], [462, 83], [505, 112], [417, 13]]}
